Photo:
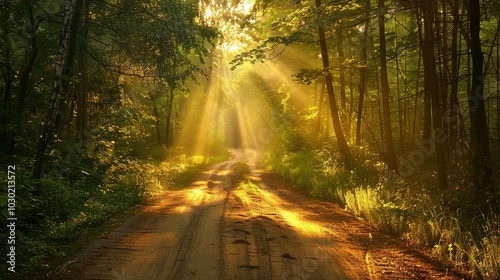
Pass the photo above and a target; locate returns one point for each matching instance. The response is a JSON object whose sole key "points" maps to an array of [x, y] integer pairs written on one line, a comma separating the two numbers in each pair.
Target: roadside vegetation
{"points": [[79, 200], [456, 231]]}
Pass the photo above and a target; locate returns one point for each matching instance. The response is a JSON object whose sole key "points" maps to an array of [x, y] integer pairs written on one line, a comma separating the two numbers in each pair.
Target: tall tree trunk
{"points": [[417, 94], [82, 118], [445, 71], [362, 73], [454, 105], [157, 123], [168, 126], [389, 143], [320, 108], [337, 127], [26, 72], [48, 125], [25, 77], [63, 115], [401, 109], [432, 89], [479, 137], [85, 110], [342, 83], [427, 129]]}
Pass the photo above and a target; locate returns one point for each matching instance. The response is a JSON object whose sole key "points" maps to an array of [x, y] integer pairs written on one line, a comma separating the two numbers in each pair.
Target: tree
{"points": [[49, 124], [432, 89], [342, 81], [389, 143], [363, 72], [454, 79], [479, 133], [337, 127]]}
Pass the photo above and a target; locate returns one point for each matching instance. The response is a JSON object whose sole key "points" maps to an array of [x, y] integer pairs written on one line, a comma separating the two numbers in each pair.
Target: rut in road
{"points": [[216, 230]]}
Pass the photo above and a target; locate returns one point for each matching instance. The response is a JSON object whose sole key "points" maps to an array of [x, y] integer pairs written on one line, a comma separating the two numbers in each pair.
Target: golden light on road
{"points": [[293, 217]]}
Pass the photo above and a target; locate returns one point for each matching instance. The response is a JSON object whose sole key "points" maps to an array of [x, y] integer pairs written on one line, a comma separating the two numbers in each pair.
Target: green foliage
{"points": [[390, 203], [81, 191], [307, 76]]}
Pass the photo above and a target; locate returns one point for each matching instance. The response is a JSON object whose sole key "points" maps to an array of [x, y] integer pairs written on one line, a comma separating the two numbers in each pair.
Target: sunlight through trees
{"points": [[389, 108]]}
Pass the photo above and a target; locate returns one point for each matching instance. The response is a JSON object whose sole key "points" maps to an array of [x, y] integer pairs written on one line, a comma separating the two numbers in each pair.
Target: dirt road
{"points": [[216, 230]]}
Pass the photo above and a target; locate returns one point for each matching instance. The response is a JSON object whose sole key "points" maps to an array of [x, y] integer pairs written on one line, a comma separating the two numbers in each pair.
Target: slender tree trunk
{"points": [[362, 73], [401, 109], [342, 83], [417, 94], [390, 152], [427, 129], [454, 105], [380, 119], [82, 118], [327, 122], [482, 170], [168, 126], [157, 123], [320, 108], [337, 127], [48, 125], [26, 72], [445, 71], [63, 115], [432, 89]]}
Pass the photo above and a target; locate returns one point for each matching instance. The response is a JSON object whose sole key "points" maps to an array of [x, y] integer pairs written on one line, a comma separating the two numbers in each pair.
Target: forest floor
{"points": [[217, 229]]}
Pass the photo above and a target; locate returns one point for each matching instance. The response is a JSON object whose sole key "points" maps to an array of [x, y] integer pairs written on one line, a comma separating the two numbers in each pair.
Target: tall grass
{"points": [[392, 205]]}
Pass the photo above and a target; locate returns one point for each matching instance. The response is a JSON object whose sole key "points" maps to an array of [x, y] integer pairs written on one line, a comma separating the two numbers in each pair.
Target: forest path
{"points": [[215, 230]]}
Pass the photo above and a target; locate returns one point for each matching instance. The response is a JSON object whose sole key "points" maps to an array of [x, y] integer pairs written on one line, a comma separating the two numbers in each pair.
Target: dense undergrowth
{"points": [[446, 223], [82, 191]]}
